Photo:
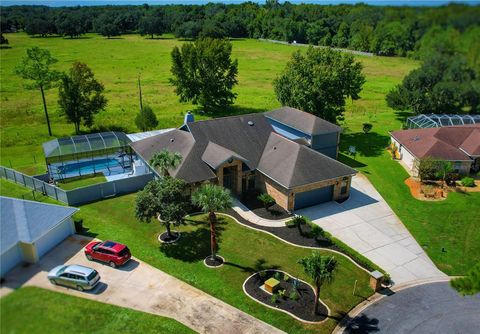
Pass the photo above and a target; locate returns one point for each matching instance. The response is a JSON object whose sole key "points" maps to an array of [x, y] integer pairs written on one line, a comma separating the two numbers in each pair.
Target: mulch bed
{"points": [[275, 212], [292, 235], [166, 239], [301, 308], [213, 262]]}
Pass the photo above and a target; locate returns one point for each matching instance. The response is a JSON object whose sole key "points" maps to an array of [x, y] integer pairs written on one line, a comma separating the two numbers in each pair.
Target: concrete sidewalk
{"points": [[366, 223], [141, 287]]}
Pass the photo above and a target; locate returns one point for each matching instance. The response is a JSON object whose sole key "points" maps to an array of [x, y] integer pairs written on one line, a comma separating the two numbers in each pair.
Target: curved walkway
{"points": [[141, 287], [429, 308], [245, 213]]}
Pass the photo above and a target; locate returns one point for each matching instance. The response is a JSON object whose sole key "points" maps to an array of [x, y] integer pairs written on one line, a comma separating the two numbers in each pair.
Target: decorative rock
{"points": [[271, 285]]}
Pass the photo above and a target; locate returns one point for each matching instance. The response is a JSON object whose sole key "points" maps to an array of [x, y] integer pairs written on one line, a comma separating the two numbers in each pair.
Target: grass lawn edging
{"points": [[282, 310]]}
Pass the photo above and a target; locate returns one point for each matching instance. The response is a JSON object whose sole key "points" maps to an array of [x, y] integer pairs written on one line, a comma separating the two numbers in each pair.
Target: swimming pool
{"points": [[107, 166]]}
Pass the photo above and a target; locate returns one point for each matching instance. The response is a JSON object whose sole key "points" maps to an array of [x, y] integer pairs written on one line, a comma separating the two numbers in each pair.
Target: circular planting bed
{"points": [[290, 295], [214, 262], [166, 239]]}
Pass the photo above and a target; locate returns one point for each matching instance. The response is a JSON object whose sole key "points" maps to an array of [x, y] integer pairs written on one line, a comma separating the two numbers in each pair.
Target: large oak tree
{"points": [[319, 81], [204, 73]]}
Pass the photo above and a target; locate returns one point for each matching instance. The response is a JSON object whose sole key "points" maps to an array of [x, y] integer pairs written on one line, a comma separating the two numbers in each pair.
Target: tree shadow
{"points": [[193, 246], [361, 324], [116, 37], [350, 161], [368, 145], [403, 115], [229, 111], [259, 265], [104, 128]]}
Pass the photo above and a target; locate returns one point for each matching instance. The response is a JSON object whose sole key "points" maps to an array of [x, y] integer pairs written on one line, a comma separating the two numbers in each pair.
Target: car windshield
{"points": [[124, 251], [92, 275]]}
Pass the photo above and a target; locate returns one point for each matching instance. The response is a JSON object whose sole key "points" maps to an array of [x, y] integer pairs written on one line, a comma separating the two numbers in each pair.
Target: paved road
{"points": [[366, 223], [425, 309], [141, 287]]}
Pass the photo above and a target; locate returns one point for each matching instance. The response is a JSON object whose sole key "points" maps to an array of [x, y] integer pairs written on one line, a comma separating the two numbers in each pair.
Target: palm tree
{"points": [[212, 198], [320, 269], [164, 160]]}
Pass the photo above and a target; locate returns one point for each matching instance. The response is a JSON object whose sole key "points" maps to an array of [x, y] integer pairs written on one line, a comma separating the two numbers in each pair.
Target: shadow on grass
{"points": [[350, 161], [403, 115], [368, 145], [230, 111], [193, 246], [259, 265]]}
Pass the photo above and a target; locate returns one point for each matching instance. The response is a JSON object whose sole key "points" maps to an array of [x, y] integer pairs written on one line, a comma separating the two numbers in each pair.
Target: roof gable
{"points": [[216, 155]]}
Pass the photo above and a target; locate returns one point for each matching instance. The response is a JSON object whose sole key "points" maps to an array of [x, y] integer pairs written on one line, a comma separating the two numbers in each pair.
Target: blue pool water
{"points": [[106, 166]]}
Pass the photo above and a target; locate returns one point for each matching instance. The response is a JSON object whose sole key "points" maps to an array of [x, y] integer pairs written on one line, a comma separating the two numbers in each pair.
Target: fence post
{"points": [[23, 177], [33, 193], [15, 177], [56, 194]]}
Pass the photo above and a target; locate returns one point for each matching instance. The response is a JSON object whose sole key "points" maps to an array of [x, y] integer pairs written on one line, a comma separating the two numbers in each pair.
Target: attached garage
{"points": [[313, 197], [30, 229]]}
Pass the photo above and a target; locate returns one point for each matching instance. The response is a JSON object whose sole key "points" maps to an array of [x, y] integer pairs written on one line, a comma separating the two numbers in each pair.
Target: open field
{"points": [[448, 225], [31, 310]]}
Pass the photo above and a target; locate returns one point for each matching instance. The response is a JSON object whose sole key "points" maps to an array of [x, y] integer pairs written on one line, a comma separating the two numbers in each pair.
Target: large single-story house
{"points": [[458, 144], [287, 153], [30, 229]]}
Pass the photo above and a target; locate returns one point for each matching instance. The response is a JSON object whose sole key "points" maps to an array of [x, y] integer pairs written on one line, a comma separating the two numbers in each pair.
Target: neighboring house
{"points": [[286, 152], [30, 229], [458, 144]]}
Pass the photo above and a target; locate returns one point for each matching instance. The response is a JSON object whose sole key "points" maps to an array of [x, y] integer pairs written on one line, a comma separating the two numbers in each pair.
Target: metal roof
{"points": [[439, 120], [85, 143]]}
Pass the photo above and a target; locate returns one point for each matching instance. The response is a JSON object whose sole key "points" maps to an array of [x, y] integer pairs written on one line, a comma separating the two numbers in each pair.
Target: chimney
{"points": [[189, 118]]}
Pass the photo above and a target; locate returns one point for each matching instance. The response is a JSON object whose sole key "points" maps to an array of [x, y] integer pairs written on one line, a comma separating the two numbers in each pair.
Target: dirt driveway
{"points": [[142, 287]]}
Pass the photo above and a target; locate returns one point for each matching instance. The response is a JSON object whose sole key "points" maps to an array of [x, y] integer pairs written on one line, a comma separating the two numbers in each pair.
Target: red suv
{"points": [[111, 252]]}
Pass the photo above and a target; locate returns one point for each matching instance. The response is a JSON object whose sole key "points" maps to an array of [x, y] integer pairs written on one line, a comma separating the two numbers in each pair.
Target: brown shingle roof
{"points": [[454, 143], [302, 121], [249, 138]]}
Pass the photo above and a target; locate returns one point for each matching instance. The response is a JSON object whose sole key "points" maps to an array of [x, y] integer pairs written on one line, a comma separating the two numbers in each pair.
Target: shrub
{"points": [[274, 298], [426, 168], [286, 277], [146, 119], [262, 274], [266, 199], [367, 127], [282, 293], [294, 295], [278, 276], [468, 182]]}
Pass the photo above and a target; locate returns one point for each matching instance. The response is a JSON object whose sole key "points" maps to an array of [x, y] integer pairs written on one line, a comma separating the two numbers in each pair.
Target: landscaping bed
{"points": [[300, 306], [306, 239], [274, 212]]}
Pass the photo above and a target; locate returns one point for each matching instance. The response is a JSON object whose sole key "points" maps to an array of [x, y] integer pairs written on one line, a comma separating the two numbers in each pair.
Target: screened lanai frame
{"points": [[439, 120], [85, 146]]}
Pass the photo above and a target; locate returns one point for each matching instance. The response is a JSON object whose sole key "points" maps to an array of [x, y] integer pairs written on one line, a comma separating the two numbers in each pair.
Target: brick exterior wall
{"points": [[239, 174]]}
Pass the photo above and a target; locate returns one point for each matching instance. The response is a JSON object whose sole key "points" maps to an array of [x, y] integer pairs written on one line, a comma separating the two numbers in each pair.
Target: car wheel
{"points": [[53, 281], [79, 288], [89, 257], [112, 264]]}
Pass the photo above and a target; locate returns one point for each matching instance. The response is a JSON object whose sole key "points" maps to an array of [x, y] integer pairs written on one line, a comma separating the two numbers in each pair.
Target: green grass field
{"points": [[449, 224], [35, 310], [82, 181]]}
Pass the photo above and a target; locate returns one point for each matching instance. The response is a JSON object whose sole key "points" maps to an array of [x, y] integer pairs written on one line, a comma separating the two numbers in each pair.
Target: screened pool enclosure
{"points": [[108, 153], [435, 121]]}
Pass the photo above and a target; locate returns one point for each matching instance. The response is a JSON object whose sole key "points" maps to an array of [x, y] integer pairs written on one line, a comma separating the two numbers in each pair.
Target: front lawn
{"points": [[245, 250], [35, 310]]}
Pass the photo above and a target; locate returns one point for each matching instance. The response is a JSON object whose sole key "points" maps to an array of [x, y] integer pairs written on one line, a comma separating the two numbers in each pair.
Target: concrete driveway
{"points": [[428, 309], [366, 223], [142, 287]]}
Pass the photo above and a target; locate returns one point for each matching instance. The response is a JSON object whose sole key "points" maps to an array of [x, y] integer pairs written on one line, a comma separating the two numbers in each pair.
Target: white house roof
{"points": [[142, 135], [26, 221]]}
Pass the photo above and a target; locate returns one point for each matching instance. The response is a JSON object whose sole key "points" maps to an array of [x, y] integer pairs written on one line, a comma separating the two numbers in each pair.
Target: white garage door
{"points": [[53, 237], [10, 259]]}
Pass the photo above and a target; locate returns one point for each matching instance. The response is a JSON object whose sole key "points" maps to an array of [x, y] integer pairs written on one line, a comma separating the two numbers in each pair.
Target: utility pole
{"points": [[140, 93]]}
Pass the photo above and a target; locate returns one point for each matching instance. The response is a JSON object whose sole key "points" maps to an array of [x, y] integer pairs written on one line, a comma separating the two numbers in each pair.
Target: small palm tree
{"points": [[320, 269], [164, 160], [212, 198]]}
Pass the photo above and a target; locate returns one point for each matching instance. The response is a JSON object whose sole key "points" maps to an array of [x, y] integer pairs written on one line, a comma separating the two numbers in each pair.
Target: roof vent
{"points": [[250, 123], [172, 140], [189, 118], [274, 147]]}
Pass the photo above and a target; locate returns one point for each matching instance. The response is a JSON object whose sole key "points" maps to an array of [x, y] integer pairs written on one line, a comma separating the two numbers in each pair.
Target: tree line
{"points": [[383, 30]]}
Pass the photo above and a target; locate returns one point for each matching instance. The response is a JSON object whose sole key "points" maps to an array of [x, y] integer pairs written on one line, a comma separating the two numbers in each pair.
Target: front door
{"points": [[230, 178]]}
